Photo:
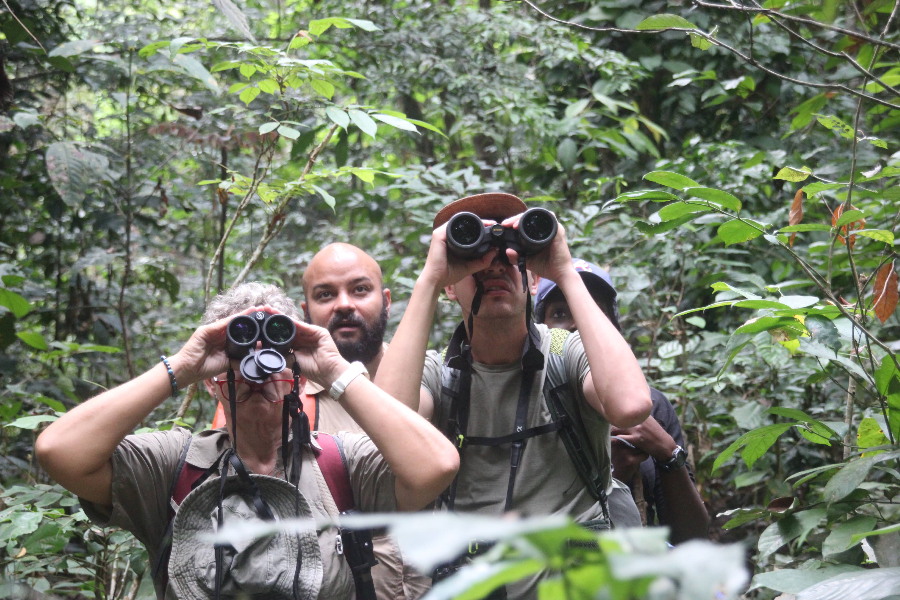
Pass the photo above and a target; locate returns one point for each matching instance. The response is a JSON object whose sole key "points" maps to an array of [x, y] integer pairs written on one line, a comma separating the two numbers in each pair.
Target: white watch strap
{"points": [[355, 369]]}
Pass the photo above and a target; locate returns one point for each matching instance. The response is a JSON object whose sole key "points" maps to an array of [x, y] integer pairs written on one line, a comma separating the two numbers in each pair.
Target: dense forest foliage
{"points": [[735, 166]]}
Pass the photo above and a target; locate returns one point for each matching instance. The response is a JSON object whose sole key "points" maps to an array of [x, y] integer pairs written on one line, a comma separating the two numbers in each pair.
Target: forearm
{"points": [[400, 371], [617, 378], [683, 511], [80, 443], [421, 458]]}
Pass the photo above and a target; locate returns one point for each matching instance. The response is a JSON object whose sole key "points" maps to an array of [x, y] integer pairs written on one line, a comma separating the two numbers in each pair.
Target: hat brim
{"points": [[189, 563], [494, 206]]}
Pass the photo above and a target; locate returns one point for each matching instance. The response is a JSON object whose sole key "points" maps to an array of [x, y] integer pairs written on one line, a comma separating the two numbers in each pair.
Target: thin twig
{"points": [[23, 27]]}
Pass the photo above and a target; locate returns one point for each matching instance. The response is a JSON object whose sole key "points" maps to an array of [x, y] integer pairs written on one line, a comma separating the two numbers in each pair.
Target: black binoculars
{"points": [[276, 332], [468, 237]]}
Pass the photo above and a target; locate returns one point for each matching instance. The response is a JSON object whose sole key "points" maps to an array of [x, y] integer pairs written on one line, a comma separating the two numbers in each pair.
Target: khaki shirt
{"points": [[393, 578], [144, 466], [547, 482]]}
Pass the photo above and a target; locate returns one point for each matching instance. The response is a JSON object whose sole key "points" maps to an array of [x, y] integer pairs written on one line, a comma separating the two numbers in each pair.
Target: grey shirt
{"points": [[144, 468]]}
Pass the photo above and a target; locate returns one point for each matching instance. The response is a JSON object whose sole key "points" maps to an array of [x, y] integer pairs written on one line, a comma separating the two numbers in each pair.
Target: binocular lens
{"points": [[243, 330], [466, 230], [538, 225], [279, 331]]}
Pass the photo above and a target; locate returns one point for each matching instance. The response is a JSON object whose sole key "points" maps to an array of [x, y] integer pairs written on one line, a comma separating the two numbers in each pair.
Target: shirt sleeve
{"points": [[143, 469], [371, 479], [431, 380], [664, 413], [577, 367]]}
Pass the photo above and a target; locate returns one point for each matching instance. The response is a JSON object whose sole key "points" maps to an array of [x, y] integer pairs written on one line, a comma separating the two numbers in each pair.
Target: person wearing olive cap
{"points": [[489, 388], [649, 457]]}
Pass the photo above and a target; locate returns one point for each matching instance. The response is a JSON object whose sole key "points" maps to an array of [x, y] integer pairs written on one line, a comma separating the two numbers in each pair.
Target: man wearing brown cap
{"points": [[511, 394]]}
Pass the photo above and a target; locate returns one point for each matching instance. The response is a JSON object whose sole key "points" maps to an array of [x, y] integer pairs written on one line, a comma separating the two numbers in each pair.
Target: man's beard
{"points": [[369, 345]]}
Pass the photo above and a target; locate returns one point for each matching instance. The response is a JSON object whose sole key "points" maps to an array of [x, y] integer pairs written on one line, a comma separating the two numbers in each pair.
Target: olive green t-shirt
{"points": [[547, 482], [144, 466]]}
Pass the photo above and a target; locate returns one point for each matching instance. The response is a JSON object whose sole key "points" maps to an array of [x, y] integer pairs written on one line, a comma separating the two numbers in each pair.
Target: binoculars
{"points": [[468, 237], [276, 332]]}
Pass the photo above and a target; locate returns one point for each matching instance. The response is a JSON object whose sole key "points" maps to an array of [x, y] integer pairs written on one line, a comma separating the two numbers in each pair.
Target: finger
{"points": [[512, 221], [512, 256]]}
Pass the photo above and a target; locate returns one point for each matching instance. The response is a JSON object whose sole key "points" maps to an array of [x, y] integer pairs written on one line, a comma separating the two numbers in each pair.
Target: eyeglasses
{"points": [[243, 389]]}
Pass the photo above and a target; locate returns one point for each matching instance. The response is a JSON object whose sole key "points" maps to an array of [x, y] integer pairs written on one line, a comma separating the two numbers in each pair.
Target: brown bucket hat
{"points": [[496, 206]]}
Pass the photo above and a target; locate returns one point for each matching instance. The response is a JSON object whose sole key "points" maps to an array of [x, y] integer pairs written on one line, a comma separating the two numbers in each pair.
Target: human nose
{"points": [[344, 303]]}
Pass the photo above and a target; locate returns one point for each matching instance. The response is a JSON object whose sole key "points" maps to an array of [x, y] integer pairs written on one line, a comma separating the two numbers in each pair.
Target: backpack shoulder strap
{"points": [[563, 407], [334, 469]]}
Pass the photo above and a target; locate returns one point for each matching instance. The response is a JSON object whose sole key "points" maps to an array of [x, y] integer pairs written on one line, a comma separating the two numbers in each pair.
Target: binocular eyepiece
{"points": [[276, 332], [468, 237]]}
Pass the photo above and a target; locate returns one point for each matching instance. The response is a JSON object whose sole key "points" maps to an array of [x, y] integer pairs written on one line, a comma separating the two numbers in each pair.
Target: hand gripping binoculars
{"points": [[276, 332], [469, 238]]}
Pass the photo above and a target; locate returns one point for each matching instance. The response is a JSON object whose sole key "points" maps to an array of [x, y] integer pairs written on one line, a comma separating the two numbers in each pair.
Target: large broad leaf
{"points": [[74, 48], [822, 330], [338, 116], [664, 21], [652, 195], [395, 122], [236, 17], [16, 304], [567, 154], [873, 584], [792, 174], [794, 581], [841, 536], [677, 210], [736, 231], [789, 528], [195, 69], [717, 196], [32, 422], [74, 171], [755, 444], [672, 180], [852, 475], [364, 122], [477, 580], [885, 293]]}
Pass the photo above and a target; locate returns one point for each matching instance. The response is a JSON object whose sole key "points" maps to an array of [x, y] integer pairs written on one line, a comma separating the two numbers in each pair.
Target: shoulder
{"points": [[156, 443]]}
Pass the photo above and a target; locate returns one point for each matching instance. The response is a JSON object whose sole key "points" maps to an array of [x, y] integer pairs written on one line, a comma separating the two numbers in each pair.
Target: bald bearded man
{"points": [[345, 293]]}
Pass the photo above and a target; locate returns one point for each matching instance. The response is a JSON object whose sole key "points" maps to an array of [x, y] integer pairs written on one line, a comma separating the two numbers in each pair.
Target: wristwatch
{"points": [[679, 457], [340, 384]]}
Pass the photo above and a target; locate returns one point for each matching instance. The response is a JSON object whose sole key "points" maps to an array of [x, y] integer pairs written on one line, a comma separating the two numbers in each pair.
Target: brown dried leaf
{"points": [[884, 300], [860, 224], [780, 504], [796, 214]]}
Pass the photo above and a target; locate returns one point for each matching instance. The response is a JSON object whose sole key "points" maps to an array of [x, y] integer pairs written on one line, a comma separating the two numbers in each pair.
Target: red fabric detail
{"points": [[189, 474], [335, 474]]}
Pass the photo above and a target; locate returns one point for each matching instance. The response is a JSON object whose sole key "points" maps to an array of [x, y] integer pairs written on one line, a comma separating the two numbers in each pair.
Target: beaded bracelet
{"points": [[171, 375]]}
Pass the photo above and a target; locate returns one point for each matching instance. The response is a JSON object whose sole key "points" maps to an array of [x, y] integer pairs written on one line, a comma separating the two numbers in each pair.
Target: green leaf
{"points": [[822, 330], [672, 180], [680, 209], [54, 404], [288, 132], [891, 529], [195, 69], [744, 516], [698, 41], [880, 235], [664, 21], [35, 340], [792, 174], [74, 48], [247, 70], [736, 232], [755, 444], [32, 421], [836, 125], [869, 434], [848, 478], [224, 66], [248, 95], [328, 198], [805, 227], [794, 581], [269, 86], [717, 196], [364, 24], [151, 49], [875, 584], [818, 187], [367, 175], [396, 122], [849, 217], [322, 87], [75, 171], [428, 126], [236, 17], [789, 528], [364, 122], [16, 304], [567, 154], [653, 195], [338, 117], [696, 321], [266, 128], [875, 141]]}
